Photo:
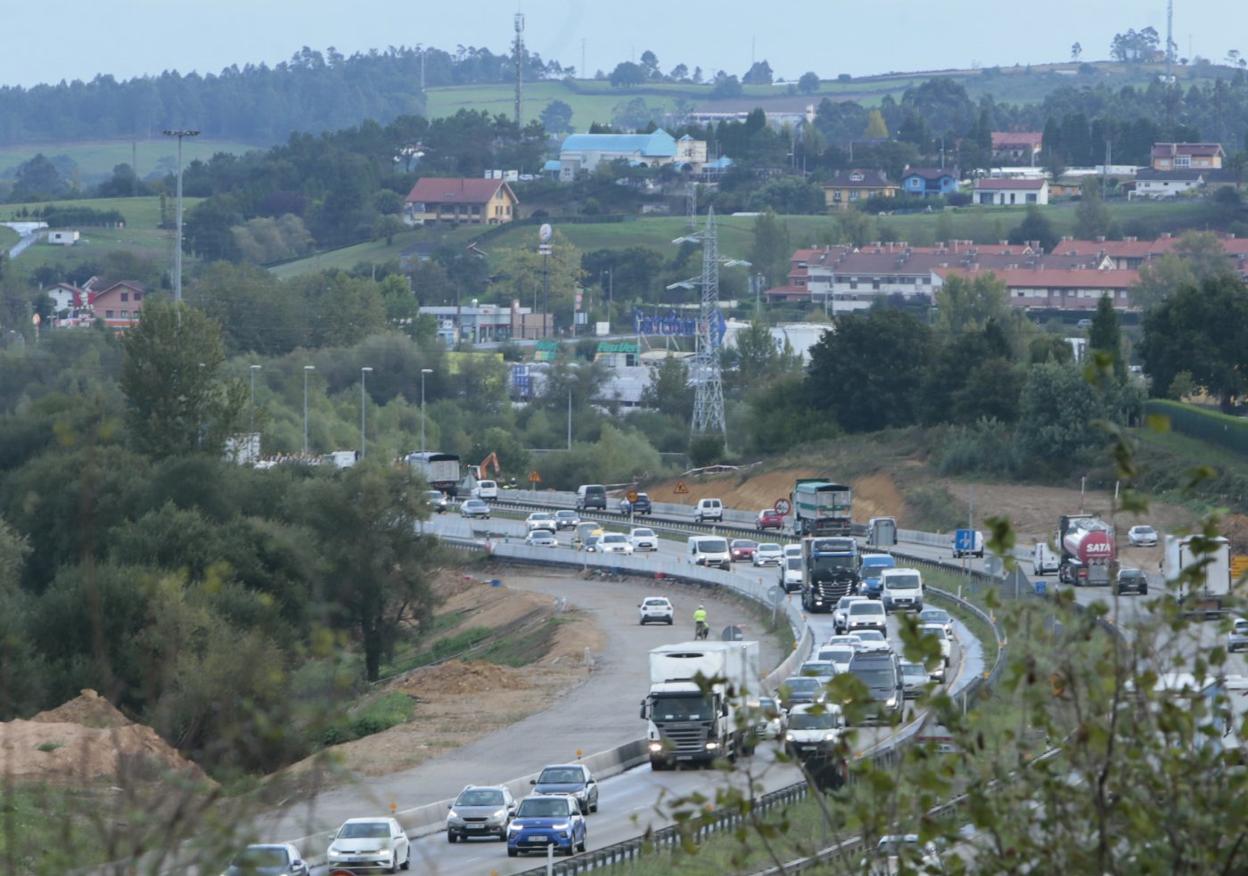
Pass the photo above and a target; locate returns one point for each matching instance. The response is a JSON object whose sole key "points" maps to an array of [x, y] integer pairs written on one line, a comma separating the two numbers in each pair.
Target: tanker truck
{"points": [[1088, 552]]}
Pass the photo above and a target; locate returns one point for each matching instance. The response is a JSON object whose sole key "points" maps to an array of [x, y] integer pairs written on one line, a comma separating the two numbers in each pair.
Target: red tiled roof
{"points": [[1054, 277], [1169, 150], [1006, 139], [455, 190], [1009, 184]]}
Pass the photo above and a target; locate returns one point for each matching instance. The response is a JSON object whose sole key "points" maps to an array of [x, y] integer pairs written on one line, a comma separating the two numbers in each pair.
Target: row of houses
{"points": [[1073, 277], [118, 304]]}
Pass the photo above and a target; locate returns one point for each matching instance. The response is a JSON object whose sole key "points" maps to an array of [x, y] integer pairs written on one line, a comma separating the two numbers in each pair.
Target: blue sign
{"points": [[964, 541], [675, 325]]}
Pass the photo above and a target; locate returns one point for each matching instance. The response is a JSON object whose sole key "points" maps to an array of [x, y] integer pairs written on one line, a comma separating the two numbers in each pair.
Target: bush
{"points": [[706, 450], [986, 447]]}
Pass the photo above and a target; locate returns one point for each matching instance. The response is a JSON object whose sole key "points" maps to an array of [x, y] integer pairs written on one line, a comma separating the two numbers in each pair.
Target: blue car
{"points": [[547, 820], [869, 572]]}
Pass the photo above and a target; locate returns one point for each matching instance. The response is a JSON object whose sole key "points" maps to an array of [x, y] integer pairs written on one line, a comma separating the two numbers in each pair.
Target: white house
{"points": [[62, 237], [1167, 183], [1011, 192]]}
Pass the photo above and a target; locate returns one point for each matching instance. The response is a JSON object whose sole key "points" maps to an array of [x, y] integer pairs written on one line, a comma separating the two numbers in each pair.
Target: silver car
{"points": [[480, 811], [1142, 535], [1237, 638], [565, 519], [913, 679]]}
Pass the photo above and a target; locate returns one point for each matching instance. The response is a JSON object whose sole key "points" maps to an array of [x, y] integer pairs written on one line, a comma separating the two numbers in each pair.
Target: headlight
{"points": [[829, 737], [581, 793], [564, 825], [514, 828], [789, 737], [711, 746], [656, 746], [453, 816], [502, 813], [892, 701]]}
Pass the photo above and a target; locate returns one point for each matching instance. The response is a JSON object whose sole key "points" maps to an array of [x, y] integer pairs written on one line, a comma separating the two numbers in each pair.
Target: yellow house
{"points": [[459, 201], [848, 187]]}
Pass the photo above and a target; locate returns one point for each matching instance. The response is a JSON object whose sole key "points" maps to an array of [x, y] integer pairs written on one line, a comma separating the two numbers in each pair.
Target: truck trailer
{"points": [[821, 507], [1208, 587]]}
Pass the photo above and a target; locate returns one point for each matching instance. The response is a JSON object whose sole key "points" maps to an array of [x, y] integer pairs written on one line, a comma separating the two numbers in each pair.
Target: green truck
{"points": [[821, 507]]}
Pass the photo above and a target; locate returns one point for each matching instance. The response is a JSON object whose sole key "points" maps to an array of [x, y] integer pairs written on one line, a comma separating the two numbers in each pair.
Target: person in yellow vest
{"points": [[700, 628]]}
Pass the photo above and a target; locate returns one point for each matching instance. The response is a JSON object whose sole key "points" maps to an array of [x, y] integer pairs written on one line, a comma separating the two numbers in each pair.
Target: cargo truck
{"points": [[829, 571], [695, 691], [821, 507], [1206, 595], [1088, 551], [440, 470]]}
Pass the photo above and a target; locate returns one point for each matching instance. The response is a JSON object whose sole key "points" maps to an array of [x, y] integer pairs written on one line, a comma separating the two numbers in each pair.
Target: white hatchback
{"points": [[656, 609], [614, 543], [369, 843], [768, 553], [643, 539]]}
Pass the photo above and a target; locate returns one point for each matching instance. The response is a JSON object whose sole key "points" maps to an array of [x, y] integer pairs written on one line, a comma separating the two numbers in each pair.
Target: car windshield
{"points": [[802, 684], [561, 776], [837, 655], [744, 543], [870, 636], [768, 705], [565, 513], [713, 546], [262, 857], [1144, 530], [1241, 626], [934, 616], [866, 607], [612, 539], [902, 582], [643, 533], [795, 564], [767, 548], [365, 830], [818, 668], [876, 678], [913, 670], [878, 562], [480, 797], [1130, 573], [539, 515], [656, 602], [543, 807], [934, 630], [693, 708], [805, 721]]}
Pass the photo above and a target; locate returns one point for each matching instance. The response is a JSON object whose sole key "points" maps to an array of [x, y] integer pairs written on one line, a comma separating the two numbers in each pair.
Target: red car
{"points": [[742, 549], [770, 518]]}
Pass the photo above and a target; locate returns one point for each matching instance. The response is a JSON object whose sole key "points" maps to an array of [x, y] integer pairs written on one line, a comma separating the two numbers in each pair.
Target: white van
{"points": [[709, 550], [709, 509], [901, 589], [487, 491], [1043, 560]]}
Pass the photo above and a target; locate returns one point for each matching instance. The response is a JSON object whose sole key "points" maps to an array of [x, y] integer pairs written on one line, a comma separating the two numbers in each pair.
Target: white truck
{"points": [[695, 690], [1206, 595]]}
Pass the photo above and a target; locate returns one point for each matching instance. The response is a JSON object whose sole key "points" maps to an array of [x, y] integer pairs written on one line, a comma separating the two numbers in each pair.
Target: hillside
{"points": [[94, 160]]}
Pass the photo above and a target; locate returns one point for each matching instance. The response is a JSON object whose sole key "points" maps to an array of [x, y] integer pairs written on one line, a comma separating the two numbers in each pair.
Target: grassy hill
{"points": [[594, 100], [96, 160], [8, 238]]}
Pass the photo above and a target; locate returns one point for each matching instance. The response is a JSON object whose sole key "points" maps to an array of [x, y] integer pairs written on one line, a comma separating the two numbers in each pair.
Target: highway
{"points": [[630, 802]]}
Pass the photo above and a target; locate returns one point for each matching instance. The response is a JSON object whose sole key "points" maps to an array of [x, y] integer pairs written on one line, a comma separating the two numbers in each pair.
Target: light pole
{"points": [[363, 371], [253, 369], [610, 272], [423, 372], [307, 369], [177, 251]]}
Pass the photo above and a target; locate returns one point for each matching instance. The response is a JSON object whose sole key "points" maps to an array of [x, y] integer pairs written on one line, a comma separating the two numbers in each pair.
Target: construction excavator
{"points": [[489, 462]]}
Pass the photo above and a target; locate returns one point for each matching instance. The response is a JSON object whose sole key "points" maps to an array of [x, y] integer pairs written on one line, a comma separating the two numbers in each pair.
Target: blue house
{"points": [[928, 181], [584, 152]]}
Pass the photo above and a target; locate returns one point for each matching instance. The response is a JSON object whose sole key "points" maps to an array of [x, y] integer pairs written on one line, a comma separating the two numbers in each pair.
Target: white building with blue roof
{"points": [[584, 152]]}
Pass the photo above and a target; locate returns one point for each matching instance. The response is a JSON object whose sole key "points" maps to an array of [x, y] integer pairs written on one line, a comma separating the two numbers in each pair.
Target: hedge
{"points": [[1212, 426]]}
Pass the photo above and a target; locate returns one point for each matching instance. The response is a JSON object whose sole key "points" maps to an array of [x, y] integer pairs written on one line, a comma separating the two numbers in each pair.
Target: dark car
{"points": [[1132, 581], [275, 859], [770, 518], [591, 496], [641, 505], [881, 673], [572, 779]]}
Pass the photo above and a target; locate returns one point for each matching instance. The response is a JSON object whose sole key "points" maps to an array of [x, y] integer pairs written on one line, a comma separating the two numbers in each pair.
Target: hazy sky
{"points": [[73, 39]]}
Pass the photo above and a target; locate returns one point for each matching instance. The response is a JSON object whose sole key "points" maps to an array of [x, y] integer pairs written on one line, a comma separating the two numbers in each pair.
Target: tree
{"points": [[627, 74], [1196, 257], [1202, 329], [1105, 336], [177, 400], [38, 180], [377, 568], [867, 371], [968, 304], [1075, 51], [808, 83], [669, 391], [1135, 47], [650, 63], [772, 250], [679, 73], [758, 74], [557, 117], [1092, 218], [525, 275], [1058, 410], [877, 128], [1036, 228], [726, 88]]}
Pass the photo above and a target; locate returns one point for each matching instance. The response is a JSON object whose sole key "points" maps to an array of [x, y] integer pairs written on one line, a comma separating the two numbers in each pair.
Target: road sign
{"points": [[775, 595], [1239, 566], [782, 506], [534, 477], [631, 495], [545, 232], [732, 634], [681, 487]]}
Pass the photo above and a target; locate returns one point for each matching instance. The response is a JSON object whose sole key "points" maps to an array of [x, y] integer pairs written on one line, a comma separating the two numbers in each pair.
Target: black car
{"points": [[1132, 581], [880, 671]]}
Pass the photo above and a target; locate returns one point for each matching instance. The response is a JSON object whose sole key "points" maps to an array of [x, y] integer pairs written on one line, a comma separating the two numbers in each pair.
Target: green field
{"points": [[8, 238], [96, 160], [138, 212], [152, 244], [375, 252]]}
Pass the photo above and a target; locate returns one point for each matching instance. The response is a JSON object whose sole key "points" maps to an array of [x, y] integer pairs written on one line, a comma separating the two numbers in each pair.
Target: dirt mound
{"points": [[877, 496], [743, 491], [455, 677], [88, 709]]}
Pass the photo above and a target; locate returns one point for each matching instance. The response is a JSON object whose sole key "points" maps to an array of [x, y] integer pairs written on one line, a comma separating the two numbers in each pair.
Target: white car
{"points": [[873, 640], [708, 509], [793, 550], [791, 574], [565, 519], [540, 520], [370, 842], [614, 543], [840, 614], [838, 655], [853, 640], [474, 508], [541, 538], [1237, 638], [946, 646], [487, 490], [866, 614], [937, 616], [768, 553], [656, 609], [643, 539], [1142, 536], [770, 719]]}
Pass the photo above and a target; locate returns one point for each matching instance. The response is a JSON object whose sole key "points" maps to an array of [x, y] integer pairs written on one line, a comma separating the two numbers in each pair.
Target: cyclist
{"points": [[700, 627]]}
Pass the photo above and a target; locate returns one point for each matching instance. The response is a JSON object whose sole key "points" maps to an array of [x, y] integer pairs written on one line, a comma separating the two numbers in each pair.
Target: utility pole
{"points": [[307, 369], [423, 372], [519, 25], [363, 408], [584, 75], [253, 369], [569, 417], [177, 251]]}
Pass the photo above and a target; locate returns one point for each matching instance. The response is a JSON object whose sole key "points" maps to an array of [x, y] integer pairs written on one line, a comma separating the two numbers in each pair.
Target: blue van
{"points": [[869, 572]]}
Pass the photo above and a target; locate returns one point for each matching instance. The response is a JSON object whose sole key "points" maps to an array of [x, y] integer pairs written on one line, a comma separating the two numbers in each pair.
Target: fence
{"points": [[1212, 426]]}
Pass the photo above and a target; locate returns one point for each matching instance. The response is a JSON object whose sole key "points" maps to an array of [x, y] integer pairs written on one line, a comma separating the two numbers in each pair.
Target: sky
{"points": [[76, 39]]}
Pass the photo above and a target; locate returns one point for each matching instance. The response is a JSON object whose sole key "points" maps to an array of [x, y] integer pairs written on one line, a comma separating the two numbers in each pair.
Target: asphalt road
{"points": [[628, 802]]}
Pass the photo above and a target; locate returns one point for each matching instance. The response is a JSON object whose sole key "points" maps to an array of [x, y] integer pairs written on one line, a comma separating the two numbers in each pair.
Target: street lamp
{"points": [[177, 252], [253, 369], [307, 369], [423, 372], [363, 371]]}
